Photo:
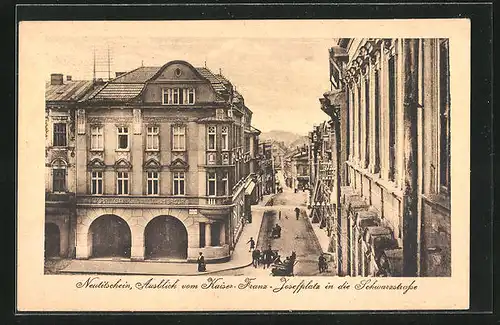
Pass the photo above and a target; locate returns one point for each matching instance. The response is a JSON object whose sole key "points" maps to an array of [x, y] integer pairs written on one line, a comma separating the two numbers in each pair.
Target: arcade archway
{"points": [[165, 237], [110, 237], [52, 240]]}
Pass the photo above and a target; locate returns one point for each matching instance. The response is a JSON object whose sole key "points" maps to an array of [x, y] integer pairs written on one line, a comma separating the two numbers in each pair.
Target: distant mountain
{"points": [[299, 142], [288, 138]]}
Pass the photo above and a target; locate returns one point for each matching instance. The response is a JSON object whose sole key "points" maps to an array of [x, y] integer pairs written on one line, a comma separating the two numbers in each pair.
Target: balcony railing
{"points": [[59, 197], [118, 200], [218, 200]]}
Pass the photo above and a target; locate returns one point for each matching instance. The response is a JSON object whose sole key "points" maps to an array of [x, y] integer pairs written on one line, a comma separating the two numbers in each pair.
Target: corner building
{"points": [[164, 165]]}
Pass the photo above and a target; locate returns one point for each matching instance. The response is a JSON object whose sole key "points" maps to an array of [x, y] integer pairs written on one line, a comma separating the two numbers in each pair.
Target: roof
{"points": [[119, 91], [215, 119], [72, 90], [216, 81], [130, 84], [139, 75]]}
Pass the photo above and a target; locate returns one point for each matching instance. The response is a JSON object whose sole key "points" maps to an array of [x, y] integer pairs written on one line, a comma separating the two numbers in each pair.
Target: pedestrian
{"points": [[268, 256], [255, 258], [321, 263], [252, 244], [279, 215], [201, 263], [297, 213]]}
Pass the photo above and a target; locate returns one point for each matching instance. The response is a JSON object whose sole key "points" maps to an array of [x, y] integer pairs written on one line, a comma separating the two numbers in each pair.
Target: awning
{"points": [[250, 188]]}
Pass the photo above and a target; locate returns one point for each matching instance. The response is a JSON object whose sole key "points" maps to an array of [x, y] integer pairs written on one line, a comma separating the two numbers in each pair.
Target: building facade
{"points": [[163, 165], [395, 94], [299, 162]]}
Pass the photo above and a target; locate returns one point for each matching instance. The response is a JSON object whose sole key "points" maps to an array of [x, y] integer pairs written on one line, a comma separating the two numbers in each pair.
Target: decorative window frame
{"points": [[59, 164], [152, 134], [152, 179], [169, 92], [173, 134], [117, 172], [92, 127], [179, 171], [60, 120], [214, 181], [96, 178], [118, 127], [209, 133], [225, 140]]}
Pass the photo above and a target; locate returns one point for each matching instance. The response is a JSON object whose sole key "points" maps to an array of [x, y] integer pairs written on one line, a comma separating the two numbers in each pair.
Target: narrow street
{"points": [[296, 235]]}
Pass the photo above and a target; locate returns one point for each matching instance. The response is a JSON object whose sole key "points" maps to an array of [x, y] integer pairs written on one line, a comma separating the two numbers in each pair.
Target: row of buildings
{"points": [[156, 163], [380, 166]]}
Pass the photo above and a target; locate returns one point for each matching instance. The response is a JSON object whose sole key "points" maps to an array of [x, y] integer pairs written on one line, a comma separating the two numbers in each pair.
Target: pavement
{"points": [[241, 257]]}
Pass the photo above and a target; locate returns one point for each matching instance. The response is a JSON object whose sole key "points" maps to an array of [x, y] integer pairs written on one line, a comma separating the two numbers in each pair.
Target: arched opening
{"points": [[110, 237], [52, 240], [166, 237]]}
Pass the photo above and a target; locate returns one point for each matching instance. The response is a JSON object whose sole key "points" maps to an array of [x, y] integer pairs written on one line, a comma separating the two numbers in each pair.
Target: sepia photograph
{"points": [[247, 156]]}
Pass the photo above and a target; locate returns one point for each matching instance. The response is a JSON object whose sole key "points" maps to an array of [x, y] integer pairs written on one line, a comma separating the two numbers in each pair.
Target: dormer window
{"points": [[178, 96]]}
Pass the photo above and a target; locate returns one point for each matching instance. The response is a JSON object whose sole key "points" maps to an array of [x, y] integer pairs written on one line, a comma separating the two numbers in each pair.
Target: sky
{"points": [[281, 77]]}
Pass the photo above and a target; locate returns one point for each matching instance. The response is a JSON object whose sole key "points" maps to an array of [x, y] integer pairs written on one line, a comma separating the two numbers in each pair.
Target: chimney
{"points": [[68, 78], [56, 79]]}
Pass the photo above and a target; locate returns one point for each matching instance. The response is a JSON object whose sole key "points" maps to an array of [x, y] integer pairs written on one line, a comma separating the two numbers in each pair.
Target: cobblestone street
{"points": [[296, 235]]}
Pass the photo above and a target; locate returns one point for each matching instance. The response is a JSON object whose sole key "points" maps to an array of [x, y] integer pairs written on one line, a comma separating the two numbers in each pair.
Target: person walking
{"points": [[252, 244], [279, 215], [268, 256], [255, 258], [297, 213], [201, 263]]}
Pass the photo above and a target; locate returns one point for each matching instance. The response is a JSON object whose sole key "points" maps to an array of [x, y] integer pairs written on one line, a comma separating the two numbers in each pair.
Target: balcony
{"points": [[151, 201], [218, 200], [59, 197], [215, 158]]}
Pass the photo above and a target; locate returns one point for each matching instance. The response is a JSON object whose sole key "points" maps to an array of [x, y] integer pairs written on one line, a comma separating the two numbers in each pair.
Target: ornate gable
{"points": [[96, 164], [152, 164], [179, 164], [177, 70], [123, 164]]}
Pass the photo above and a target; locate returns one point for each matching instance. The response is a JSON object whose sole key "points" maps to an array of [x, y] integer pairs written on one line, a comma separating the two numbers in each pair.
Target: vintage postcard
{"points": [[243, 165]]}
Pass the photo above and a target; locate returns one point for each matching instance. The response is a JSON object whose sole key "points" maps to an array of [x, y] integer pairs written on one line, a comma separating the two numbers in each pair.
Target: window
{"points": [[179, 137], [166, 96], [59, 135], [122, 183], [188, 95], [178, 96], [96, 183], [444, 114], [153, 183], [225, 184], [59, 179], [211, 137], [392, 118], [153, 138], [225, 138], [377, 121], [179, 183], [123, 138], [96, 138], [225, 158], [211, 186]]}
